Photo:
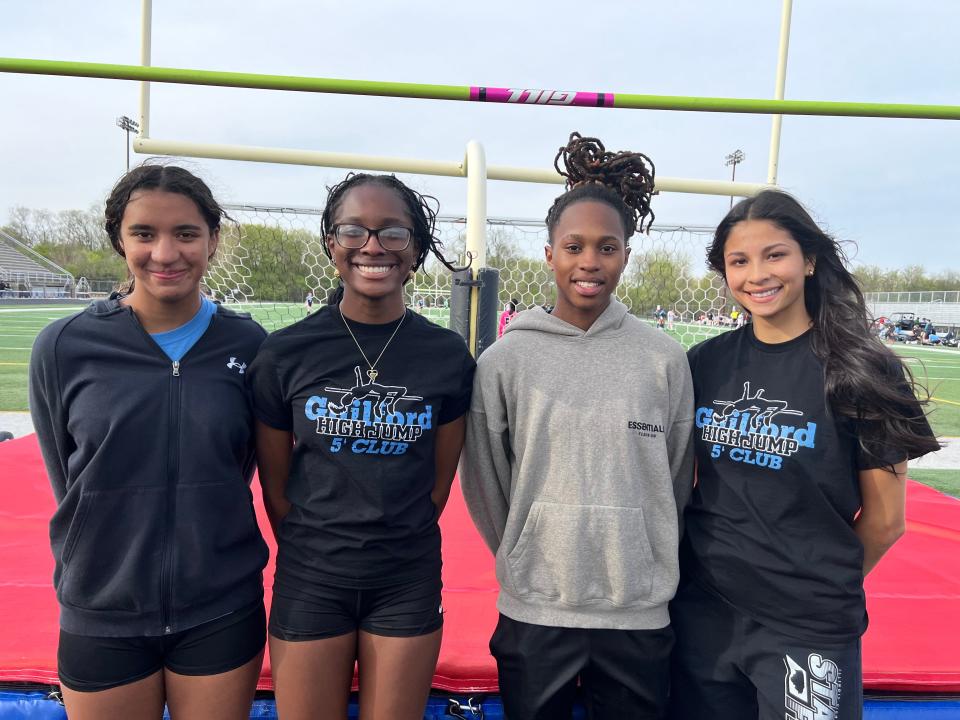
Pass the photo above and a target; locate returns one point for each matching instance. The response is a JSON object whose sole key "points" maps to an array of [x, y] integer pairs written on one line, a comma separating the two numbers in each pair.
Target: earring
{"points": [[410, 275], [336, 273]]}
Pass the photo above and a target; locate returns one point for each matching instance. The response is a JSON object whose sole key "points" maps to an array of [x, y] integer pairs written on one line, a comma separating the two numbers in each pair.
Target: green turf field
{"points": [[946, 481], [19, 326], [937, 369]]}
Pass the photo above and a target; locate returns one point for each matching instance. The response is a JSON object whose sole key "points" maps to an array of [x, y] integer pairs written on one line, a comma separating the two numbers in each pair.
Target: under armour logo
{"points": [[234, 364]]}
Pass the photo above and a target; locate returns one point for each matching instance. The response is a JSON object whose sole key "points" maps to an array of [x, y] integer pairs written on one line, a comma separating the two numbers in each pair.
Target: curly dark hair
{"points": [[422, 209], [864, 380], [624, 180]]}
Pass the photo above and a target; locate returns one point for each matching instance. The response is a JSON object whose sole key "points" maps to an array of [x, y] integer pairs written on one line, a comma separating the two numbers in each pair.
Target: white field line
{"points": [[45, 308]]}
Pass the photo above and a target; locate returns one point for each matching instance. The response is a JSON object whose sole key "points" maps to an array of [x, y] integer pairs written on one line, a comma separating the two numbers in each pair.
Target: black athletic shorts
{"points": [[88, 664], [317, 612]]}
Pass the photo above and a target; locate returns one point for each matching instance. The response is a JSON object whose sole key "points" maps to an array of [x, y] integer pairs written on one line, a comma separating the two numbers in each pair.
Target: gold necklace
{"points": [[372, 372]]}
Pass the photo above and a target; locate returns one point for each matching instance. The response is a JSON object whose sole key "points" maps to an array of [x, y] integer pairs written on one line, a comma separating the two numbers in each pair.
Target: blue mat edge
{"points": [[36, 705]]}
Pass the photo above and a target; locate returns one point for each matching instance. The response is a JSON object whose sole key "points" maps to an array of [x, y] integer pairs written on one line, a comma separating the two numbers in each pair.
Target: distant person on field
{"points": [[661, 316], [509, 310]]}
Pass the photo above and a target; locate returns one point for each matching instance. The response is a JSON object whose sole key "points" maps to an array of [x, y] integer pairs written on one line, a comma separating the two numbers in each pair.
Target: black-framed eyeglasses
{"points": [[354, 237]]}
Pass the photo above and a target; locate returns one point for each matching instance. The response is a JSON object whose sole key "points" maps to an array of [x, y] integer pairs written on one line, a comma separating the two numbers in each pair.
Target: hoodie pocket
{"points": [[76, 529], [112, 553], [219, 546], [580, 554]]}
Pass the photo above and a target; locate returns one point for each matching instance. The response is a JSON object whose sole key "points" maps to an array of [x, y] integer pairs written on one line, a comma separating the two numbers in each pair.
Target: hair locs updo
{"points": [[624, 180], [165, 178], [422, 210]]}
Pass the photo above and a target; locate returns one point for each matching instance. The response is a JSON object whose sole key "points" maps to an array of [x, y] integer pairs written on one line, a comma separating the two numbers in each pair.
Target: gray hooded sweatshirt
{"points": [[577, 466]]}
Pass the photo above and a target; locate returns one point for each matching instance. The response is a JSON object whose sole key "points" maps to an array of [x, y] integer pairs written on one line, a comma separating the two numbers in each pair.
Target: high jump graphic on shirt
{"points": [[386, 396], [754, 429], [369, 418], [765, 409], [811, 689]]}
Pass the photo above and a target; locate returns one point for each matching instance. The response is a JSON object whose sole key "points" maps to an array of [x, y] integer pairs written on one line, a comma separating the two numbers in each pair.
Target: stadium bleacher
{"points": [[24, 273]]}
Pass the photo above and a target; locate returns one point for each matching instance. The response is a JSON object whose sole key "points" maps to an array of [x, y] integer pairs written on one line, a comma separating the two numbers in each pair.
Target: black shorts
{"points": [[89, 664], [317, 612]]}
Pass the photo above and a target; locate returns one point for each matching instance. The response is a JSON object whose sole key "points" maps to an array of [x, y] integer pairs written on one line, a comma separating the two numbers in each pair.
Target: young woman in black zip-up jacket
{"points": [[145, 426]]}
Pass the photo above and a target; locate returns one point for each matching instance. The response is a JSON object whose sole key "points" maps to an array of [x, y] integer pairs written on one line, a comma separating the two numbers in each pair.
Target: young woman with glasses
{"points": [[360, 422]]}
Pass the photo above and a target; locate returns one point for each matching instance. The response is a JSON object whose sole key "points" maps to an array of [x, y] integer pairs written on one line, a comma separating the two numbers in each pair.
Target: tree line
{"points": [[279, 264]]}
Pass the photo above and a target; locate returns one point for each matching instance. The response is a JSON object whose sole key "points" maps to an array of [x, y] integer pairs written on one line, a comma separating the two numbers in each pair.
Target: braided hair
{"points": [[624, 180]]}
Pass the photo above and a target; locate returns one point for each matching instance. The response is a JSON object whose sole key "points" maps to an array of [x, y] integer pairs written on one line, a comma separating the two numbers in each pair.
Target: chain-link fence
{"points": [[271, 259], [665, 280]]}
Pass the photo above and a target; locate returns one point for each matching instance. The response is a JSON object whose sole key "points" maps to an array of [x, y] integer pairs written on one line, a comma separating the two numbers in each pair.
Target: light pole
{"points": [[127, 124], [734, 158]]}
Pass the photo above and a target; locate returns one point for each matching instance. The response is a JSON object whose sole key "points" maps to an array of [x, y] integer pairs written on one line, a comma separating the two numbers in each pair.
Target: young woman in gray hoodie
{"points": [[578, 465]]}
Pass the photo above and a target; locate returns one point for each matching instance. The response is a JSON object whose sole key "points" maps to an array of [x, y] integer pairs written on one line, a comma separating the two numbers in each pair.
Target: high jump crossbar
{"points": [[474, 167], [470, 93]]}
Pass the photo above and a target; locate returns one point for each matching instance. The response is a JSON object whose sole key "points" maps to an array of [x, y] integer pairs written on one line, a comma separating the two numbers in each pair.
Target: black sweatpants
{"points": [[624, 673], [727, 666]]}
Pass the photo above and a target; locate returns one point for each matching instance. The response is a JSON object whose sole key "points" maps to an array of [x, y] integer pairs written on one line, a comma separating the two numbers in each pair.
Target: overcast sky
{"points": [[888, 185]]}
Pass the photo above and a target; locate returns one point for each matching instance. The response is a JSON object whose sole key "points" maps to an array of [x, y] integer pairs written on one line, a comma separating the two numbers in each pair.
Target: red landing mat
{"points": [[913, 643]]}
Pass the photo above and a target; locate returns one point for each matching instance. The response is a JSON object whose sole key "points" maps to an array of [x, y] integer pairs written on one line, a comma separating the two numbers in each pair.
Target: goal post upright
{"points": [[774, 160], [146, 44], [475, 168]]}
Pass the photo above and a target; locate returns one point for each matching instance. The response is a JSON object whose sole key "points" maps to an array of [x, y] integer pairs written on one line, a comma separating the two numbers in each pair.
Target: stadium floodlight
{"points": [[734, 158], [125, 123]]}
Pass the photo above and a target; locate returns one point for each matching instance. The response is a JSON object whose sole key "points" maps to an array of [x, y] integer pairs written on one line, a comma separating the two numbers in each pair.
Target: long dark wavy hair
{"points": [[863, 379]]}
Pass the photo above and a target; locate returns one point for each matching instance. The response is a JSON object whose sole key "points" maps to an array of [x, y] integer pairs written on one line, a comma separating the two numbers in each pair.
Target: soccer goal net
{"points": [[271, 262]]}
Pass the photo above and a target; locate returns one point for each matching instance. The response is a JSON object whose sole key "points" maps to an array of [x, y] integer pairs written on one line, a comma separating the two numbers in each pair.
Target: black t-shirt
{"points": [[363, 461], [770, 524]]}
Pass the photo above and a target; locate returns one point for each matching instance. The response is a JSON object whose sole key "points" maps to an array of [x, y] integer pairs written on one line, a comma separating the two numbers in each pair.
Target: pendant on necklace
{"points": [[372, 374]]}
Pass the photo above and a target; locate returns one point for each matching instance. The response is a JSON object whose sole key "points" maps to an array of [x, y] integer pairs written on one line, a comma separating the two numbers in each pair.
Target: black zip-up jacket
{"points": [[150, 462]]}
